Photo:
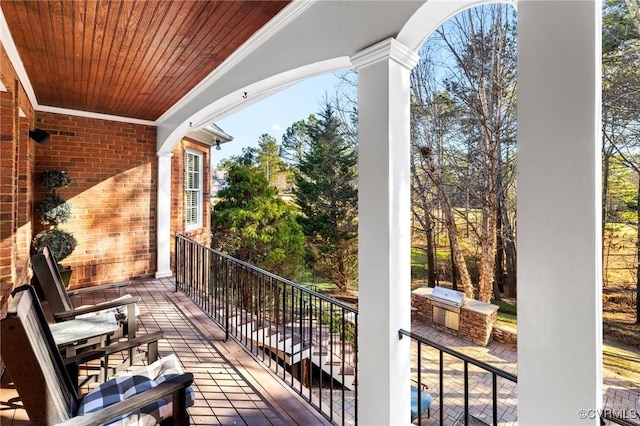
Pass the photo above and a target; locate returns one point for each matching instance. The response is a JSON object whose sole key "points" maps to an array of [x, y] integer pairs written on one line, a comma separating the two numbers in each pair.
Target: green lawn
{"points": [[507, 313], [319, 286]]}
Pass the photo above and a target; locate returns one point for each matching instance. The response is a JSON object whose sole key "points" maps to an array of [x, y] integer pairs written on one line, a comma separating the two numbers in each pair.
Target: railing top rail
{"points": [[613, 419], [271, 275], [477, 363]]}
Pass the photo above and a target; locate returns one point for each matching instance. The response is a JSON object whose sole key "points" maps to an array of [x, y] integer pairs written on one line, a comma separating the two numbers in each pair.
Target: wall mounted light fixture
{"points": [[39, 135], [218, 147]]}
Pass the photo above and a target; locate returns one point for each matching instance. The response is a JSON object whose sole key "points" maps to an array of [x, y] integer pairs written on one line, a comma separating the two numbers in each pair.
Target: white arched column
{"points": [[559, 231], [163, 211], [384, 232]]}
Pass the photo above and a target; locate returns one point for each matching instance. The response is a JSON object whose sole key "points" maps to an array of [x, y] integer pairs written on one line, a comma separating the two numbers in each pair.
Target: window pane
{"points": [[193, 193]]}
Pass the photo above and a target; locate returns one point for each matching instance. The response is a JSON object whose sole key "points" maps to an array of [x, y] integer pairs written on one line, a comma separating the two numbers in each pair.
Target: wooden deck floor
{"points": [[231, 387]]}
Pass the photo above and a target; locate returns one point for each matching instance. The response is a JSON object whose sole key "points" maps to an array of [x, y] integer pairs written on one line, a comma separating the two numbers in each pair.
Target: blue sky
{"points": [[274, 114]]}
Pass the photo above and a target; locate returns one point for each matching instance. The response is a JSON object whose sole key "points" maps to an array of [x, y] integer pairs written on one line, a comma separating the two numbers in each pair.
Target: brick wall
{"points": [[114, 170], [177, 190], [422, 309], [113, 166], [8, 147], [477, 326], [505, 334], [16, 169]]}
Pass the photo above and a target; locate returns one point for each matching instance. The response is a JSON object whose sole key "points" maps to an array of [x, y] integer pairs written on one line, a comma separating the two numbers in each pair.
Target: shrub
{"points": [[54, 210], [337, 324], [55, 179], [60, 242]]}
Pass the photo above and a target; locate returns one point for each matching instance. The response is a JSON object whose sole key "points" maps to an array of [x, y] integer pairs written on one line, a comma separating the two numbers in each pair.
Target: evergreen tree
{"points": [[251, 223], [326, 192], [268, 158], [295, 141]]}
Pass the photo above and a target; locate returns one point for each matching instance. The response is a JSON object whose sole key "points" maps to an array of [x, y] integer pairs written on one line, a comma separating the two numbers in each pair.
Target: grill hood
{"points": [[448, 296]]}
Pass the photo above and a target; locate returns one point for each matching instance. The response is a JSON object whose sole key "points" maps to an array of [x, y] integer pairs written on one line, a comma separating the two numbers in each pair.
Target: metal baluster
{"points": [[419, 383], [441, 388], [495, 399], [466, 393]]}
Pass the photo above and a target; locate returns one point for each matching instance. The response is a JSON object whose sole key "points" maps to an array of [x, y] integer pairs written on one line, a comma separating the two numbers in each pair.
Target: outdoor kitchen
{"points": [[450, 311]]}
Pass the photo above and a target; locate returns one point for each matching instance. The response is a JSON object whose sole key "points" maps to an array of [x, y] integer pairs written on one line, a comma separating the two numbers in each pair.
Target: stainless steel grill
{"points": [[446, 306]]}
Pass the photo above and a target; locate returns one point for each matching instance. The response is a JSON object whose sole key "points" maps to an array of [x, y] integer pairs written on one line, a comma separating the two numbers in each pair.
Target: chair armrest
{"points": [[133, 343], [70, 314], [121, 286], [87, 356], [72, 362], [421, 385], [151, 340], [175, 386]]}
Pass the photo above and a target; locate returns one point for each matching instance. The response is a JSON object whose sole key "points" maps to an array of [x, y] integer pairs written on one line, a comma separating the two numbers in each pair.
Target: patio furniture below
{"points": [[425, 402]]}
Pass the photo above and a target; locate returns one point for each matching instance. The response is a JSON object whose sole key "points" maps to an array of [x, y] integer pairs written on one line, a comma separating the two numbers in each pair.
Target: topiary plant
{"points": [[60, 242], [54, 210], [54, 179]]}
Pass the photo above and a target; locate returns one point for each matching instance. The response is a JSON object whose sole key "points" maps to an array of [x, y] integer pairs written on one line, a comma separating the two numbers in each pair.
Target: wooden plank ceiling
{"points": [[128, 58]]}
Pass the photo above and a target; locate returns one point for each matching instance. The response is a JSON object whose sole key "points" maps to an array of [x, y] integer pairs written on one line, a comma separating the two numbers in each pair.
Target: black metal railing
{"points": [[423, 371], [309, 340], [610, 416]]}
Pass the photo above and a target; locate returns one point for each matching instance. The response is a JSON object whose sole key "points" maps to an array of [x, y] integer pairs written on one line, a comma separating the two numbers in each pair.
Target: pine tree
{"points": [[326, 192], [251, 223], [268, 158]]}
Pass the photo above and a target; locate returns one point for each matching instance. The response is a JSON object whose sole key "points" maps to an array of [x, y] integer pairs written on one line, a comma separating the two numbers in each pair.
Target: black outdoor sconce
{"points": [[39, 135]]}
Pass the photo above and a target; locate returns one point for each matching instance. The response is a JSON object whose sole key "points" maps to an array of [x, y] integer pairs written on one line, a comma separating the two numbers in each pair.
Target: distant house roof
{"points": [[218, 181], [220, 175]]}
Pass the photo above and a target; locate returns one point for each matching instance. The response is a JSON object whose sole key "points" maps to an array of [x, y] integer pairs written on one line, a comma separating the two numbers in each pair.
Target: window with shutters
{"points": [[193, 190]]}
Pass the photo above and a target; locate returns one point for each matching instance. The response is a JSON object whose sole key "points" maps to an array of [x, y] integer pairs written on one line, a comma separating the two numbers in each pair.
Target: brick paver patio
{"points": [[620, 394]]}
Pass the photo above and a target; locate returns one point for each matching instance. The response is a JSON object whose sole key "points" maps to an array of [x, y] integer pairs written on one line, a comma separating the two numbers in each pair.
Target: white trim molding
{"points": [[12, 52], [163, 228], [96, 115], [389, 48]]}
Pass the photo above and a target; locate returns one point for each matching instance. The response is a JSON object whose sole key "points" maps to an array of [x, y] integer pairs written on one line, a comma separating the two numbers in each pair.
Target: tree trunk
{"points": [[458, 257], [421, 208], [487, 251], [510, 255], [431, 261], [343, 280], [638, 256], [498, 280], [454, 270], [605, 189]]}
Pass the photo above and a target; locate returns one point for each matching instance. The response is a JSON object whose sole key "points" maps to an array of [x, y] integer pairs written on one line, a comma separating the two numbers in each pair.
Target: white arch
{"points": [[248, 95], [307, 41], [432, 14], [417, 25]]}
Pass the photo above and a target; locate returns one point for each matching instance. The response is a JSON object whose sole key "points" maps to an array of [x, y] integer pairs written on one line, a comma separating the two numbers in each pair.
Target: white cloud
{"points": [[276, 127]]}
